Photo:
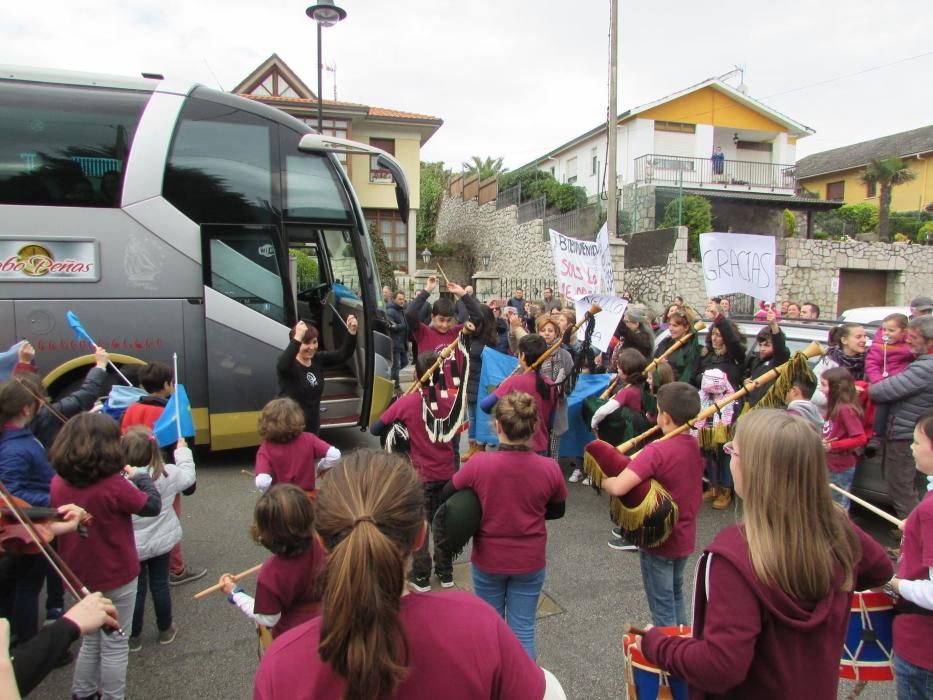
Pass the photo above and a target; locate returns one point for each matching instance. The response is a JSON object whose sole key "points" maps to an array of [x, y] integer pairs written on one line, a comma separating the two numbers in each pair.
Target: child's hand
{"points": [[181, 443], [72, 517], [129, 472], [26, 352], [639, 639], [827, 445], [92, 613], [101, 358], [227, 582]]}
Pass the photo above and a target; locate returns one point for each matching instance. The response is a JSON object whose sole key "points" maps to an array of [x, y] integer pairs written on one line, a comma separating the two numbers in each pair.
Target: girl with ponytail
{"points": [[530, 348], [374, 639]]}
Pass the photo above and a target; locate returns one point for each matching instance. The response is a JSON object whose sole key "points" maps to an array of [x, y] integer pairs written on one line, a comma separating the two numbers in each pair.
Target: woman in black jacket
{"points": [[300, 369]]}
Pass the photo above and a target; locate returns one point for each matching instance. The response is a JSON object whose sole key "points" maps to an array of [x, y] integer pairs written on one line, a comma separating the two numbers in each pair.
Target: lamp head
{"points": [[326, 13]]}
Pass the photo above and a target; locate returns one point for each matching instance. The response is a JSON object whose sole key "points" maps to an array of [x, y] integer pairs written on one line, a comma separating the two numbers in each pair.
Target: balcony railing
{"points": [[660, 169]]}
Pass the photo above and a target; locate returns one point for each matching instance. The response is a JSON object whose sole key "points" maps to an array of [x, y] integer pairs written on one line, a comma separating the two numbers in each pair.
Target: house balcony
{"points": [[704, 173]]}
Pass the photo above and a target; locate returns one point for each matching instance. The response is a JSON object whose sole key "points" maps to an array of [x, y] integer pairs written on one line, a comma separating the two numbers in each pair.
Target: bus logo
{"points": [[48, 260], [267, 250]]}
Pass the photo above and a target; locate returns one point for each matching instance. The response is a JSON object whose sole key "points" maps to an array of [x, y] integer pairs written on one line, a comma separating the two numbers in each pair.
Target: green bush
{"points": [[308, 272], [910, 223], [697, 217], [537, 183], [383, 263], [925, 233], [863, 216], [789, 224]]}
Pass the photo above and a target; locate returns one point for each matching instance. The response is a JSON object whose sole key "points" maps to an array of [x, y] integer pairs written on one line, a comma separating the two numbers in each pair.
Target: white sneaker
{"points": [[576, 476], [586, 481]]}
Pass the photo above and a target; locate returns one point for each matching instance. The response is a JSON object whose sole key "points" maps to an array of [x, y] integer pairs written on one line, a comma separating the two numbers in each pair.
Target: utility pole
{"points": [[611, 176]]}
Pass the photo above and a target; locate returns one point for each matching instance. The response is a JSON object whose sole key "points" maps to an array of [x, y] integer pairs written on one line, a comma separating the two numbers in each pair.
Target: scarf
{"points": [[854, 363]]}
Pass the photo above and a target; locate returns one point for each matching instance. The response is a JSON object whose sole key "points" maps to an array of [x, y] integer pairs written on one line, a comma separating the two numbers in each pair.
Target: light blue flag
{"points": [[578, 433], [165, 430], [76, 326], [496, 367], [8, 360]]}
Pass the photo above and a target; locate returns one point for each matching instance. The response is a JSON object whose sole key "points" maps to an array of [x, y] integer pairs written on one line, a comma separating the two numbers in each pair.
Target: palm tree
{"points": [[486, 168], [886, 173]]}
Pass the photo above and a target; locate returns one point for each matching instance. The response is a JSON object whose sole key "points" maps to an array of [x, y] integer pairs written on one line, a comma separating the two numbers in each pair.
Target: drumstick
{"points": [[868, 506], [441, 270], [218, 586], [632, 629]]}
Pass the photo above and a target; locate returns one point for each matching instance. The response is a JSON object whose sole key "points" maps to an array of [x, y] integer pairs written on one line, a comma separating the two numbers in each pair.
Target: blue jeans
{"points": [[844, 481], [515, 598], [153, 572], [399, 362], [471, 416], [663, 580], [717, 468], [913, 682]]}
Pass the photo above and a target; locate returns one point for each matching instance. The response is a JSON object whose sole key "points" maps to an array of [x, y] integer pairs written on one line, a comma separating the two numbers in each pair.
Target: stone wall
{"points": [[518, 250], [809, 273]]}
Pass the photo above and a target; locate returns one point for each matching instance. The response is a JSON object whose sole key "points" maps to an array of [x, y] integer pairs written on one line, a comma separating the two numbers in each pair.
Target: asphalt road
{"points": [[214, 657]]}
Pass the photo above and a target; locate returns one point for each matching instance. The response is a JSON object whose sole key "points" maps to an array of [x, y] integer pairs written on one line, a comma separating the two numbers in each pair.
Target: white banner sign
{"points": [[578, 265], [602, 238], [738, 262], [607, 320]]}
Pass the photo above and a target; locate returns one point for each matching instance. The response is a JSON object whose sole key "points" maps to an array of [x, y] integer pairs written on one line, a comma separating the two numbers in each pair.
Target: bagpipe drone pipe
{"points": [[647, 514]]}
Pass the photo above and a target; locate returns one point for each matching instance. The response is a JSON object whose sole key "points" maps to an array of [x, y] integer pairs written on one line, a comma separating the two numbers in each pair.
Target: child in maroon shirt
{"points": [[288, 454], [432, 455], [370, 517], [843, 432], [530, 348], [677, 464], [287, 587], [631, 367], [518, 491], [913, 629], [89, 459], [772, 596]]}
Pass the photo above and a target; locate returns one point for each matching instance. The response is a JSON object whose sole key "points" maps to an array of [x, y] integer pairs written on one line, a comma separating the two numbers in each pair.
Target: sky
{"points": [[516, 78]]}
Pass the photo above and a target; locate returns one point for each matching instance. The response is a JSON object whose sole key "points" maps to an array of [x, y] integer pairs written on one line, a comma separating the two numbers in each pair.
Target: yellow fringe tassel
{"points": [[777, 392], [592, 469], [633, 520], [712, 437]]}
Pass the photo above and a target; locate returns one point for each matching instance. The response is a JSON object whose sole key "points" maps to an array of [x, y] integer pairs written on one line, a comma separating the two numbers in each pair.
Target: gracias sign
{"points": [[49, 260]]}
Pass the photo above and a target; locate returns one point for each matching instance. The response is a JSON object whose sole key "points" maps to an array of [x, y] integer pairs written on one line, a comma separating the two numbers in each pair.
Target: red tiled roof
{"points": [[372, 111]]}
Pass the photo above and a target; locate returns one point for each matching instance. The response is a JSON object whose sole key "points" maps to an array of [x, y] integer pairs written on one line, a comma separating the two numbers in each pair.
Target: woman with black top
{"points": [[685, 359], [300, 369], [484, 337]]}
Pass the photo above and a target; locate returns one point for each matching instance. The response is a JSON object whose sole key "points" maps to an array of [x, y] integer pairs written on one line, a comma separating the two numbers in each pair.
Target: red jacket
{"points": [[146, 412], [755, 641]]}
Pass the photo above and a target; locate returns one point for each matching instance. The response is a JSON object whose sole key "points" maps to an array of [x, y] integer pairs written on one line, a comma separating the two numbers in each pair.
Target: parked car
{"points": [[872, 315]]}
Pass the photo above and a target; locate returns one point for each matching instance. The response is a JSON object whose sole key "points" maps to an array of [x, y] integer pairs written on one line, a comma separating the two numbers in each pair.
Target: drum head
{"points": [[456, 521]]}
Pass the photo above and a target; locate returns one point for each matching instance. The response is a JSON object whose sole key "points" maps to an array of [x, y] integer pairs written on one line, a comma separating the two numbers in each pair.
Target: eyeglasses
{"points": [[729, 449]]}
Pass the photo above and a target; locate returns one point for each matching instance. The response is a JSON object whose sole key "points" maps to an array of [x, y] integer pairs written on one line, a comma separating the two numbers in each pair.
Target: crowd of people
{"points": [[345, 597]]}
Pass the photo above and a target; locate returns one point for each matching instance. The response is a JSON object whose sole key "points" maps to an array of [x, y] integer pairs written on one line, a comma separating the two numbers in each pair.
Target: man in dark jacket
{"points": [[910, 395], [517, 302], [398, 329]]}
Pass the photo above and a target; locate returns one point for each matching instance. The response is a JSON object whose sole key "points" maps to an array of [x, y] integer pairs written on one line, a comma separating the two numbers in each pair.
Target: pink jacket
{"points": [[883, 360]]}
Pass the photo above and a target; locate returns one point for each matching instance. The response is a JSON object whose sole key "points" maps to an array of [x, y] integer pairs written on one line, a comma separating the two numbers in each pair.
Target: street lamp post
{"points": [[426, 257], [325, 14]]}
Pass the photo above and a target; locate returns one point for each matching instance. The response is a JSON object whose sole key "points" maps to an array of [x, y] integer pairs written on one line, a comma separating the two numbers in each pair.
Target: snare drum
{"points": [[866, 655], [644, 680]]}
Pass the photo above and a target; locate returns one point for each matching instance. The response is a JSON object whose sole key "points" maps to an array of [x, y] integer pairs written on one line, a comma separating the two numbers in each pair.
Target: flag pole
{"points": [[177, 407]]}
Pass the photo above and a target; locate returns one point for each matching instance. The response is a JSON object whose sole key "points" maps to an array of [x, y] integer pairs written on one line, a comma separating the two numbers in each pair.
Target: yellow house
{"points": [[835, 174], [400, 133]]}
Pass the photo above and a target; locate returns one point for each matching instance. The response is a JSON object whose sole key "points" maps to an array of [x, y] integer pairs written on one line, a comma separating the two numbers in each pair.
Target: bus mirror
{"points": [[401, 184]]}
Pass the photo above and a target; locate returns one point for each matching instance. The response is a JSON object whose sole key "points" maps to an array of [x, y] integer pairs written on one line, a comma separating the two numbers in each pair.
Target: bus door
{"points": [[246, 310]]}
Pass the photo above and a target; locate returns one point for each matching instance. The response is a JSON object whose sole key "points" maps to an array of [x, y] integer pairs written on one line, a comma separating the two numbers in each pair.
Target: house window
{"points": [[836, 190], [570, 169], [594, 162], [754, 146], [387, 224], [376, 173], [675, 126], [871, 189], [552, 171], [333, 127]]}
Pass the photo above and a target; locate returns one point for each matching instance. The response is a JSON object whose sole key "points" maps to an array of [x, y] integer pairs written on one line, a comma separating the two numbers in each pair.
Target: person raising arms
{"points": [[373, 639], [300, 368]]}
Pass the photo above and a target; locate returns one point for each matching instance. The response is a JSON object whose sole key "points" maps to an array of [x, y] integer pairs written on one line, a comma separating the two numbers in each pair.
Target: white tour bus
{"points": [[175, 218]]}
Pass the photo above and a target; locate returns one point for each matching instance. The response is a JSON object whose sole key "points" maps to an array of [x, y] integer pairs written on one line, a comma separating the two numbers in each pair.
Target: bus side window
{"points": [[65, 145], [243, 265]]}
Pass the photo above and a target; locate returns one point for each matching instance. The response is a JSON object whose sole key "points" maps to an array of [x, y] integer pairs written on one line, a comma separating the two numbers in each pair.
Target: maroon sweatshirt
{"points": [[755, 641]]}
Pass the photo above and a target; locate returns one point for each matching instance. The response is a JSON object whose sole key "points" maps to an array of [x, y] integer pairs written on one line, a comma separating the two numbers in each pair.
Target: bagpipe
{"points": [[622, 425], [647, 514], [439, 428], [588, 317]]}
